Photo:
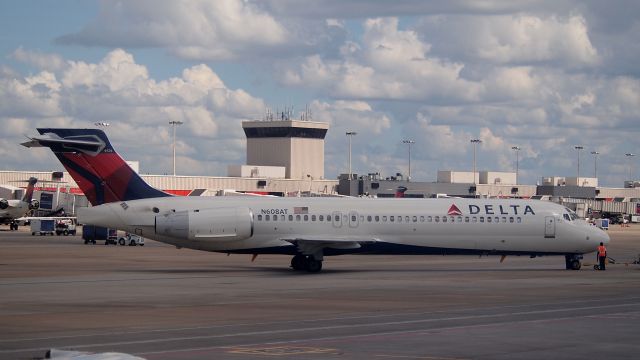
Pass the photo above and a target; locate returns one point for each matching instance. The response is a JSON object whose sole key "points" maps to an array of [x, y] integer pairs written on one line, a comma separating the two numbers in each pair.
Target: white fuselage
{"points": [[268, 225], [16, 209]]}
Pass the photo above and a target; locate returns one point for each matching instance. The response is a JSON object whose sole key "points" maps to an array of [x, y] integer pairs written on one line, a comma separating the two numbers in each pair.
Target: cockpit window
{"points": [[571, 215]]}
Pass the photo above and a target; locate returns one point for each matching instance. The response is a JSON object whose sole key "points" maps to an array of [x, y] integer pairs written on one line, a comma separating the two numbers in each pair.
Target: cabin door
{"points": [[353, 219], [336, 218], [549, 227]]}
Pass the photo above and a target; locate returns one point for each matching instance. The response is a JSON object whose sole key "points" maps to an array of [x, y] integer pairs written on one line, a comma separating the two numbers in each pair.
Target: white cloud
{"points": [[120, 91], [39, 59], [514, 38], [190, 29], [389, 64]]}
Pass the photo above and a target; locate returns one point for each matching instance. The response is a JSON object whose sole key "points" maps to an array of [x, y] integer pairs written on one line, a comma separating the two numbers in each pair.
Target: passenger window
{"points": [[406, 218], [361, 218], [488, 219], [421, 218], [474, 219], [320, 217], [259, 217], [354, 218], [415, 219], [369, 218], [466, 219], [392, 218], [290, 217], [306, 218], [519, 219], [437, 218], [329, 218], [281, 217], [298, 217], [384, 219], [313, 218], [337, 218], [429, 218], [497, 219], [399, 218], [444, 219], [459, 218], [267, 217], [377, 218], [504, 219], [275, 217], [511, 219], [481, 219], [452, 219]]}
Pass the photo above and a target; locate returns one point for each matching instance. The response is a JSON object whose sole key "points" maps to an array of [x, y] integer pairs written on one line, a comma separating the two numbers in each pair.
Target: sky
{"points": [[544, 76]]}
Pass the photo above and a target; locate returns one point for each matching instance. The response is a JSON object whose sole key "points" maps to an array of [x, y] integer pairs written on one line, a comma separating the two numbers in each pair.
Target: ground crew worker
{"points": [[602, 256]]}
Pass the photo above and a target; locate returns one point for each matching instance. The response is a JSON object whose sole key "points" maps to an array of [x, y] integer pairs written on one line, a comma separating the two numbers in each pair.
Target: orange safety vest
{"points": [[602, 251]]}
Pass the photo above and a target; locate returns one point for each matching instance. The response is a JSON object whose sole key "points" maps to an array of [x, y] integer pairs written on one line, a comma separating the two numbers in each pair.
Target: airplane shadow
{"points": [[328, 271]]}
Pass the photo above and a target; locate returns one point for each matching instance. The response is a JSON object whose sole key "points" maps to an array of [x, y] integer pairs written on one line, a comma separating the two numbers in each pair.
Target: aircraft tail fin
{"points": [[96, 167], [28, 195]]}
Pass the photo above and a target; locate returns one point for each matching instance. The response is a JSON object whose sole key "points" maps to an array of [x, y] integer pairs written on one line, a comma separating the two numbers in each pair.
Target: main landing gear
{"points": [[304, 262], [572, 262]]}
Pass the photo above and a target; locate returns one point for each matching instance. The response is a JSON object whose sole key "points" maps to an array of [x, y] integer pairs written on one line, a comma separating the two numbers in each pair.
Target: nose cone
{"points": [[599, 236]]}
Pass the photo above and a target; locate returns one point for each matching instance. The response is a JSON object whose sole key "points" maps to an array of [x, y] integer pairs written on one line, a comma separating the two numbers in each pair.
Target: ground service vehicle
{"points": [[91, 233], [65, 227], [42, 226], [131, 239]]}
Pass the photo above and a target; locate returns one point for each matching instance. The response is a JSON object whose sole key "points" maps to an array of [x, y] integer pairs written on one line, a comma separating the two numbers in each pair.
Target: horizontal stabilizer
{"points": [[87, 144]]}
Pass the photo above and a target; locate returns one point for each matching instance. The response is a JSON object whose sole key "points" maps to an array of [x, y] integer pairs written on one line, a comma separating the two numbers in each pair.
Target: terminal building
{"points": [[285, 157]]}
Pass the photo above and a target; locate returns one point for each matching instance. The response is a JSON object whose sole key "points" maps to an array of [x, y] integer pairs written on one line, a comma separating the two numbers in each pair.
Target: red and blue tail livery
{"points": [[96, 167]]}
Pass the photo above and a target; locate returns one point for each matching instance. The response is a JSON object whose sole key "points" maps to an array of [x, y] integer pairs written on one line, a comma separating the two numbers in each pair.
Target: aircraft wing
{"points": [[311, 244]]}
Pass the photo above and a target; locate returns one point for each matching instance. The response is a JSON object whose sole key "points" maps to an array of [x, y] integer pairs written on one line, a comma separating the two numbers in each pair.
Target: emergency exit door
{"points": [[549, 227]]}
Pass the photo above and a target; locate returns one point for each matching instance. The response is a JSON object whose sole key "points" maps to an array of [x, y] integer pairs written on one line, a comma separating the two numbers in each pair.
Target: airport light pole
{"points": [[630, 157], [517, 150], [174, 124], [101, 124], [350, 134], [475, 142], [579, 148], [409, 142], [595, 163]]}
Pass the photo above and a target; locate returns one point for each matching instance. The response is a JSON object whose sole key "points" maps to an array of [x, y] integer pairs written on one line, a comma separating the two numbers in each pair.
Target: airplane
{"points": [[310, 228], [11, 210]]}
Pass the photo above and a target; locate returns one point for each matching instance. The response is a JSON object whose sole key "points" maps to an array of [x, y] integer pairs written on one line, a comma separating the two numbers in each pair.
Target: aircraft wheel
{"points": [[313, 265], [298, 262], [576, 265]]}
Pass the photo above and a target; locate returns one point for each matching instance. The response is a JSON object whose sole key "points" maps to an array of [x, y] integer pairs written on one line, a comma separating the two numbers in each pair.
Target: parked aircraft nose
{"points": [[599, 236]]}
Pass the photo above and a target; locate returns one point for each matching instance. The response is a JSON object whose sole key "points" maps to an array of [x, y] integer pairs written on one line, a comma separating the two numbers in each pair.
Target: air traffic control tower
{"points": [[297, 145]]}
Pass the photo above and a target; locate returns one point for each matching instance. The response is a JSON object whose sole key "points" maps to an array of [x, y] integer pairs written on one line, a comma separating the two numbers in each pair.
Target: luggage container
{"points": [[42, 226]]}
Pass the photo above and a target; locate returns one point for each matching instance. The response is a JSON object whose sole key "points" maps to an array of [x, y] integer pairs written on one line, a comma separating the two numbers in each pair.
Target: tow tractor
{"points": [[131, 239]]}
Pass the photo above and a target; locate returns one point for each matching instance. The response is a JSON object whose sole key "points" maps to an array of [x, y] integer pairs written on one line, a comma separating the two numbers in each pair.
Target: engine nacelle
{"points": [[223, 224], [34, 205], [4, 203]]}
